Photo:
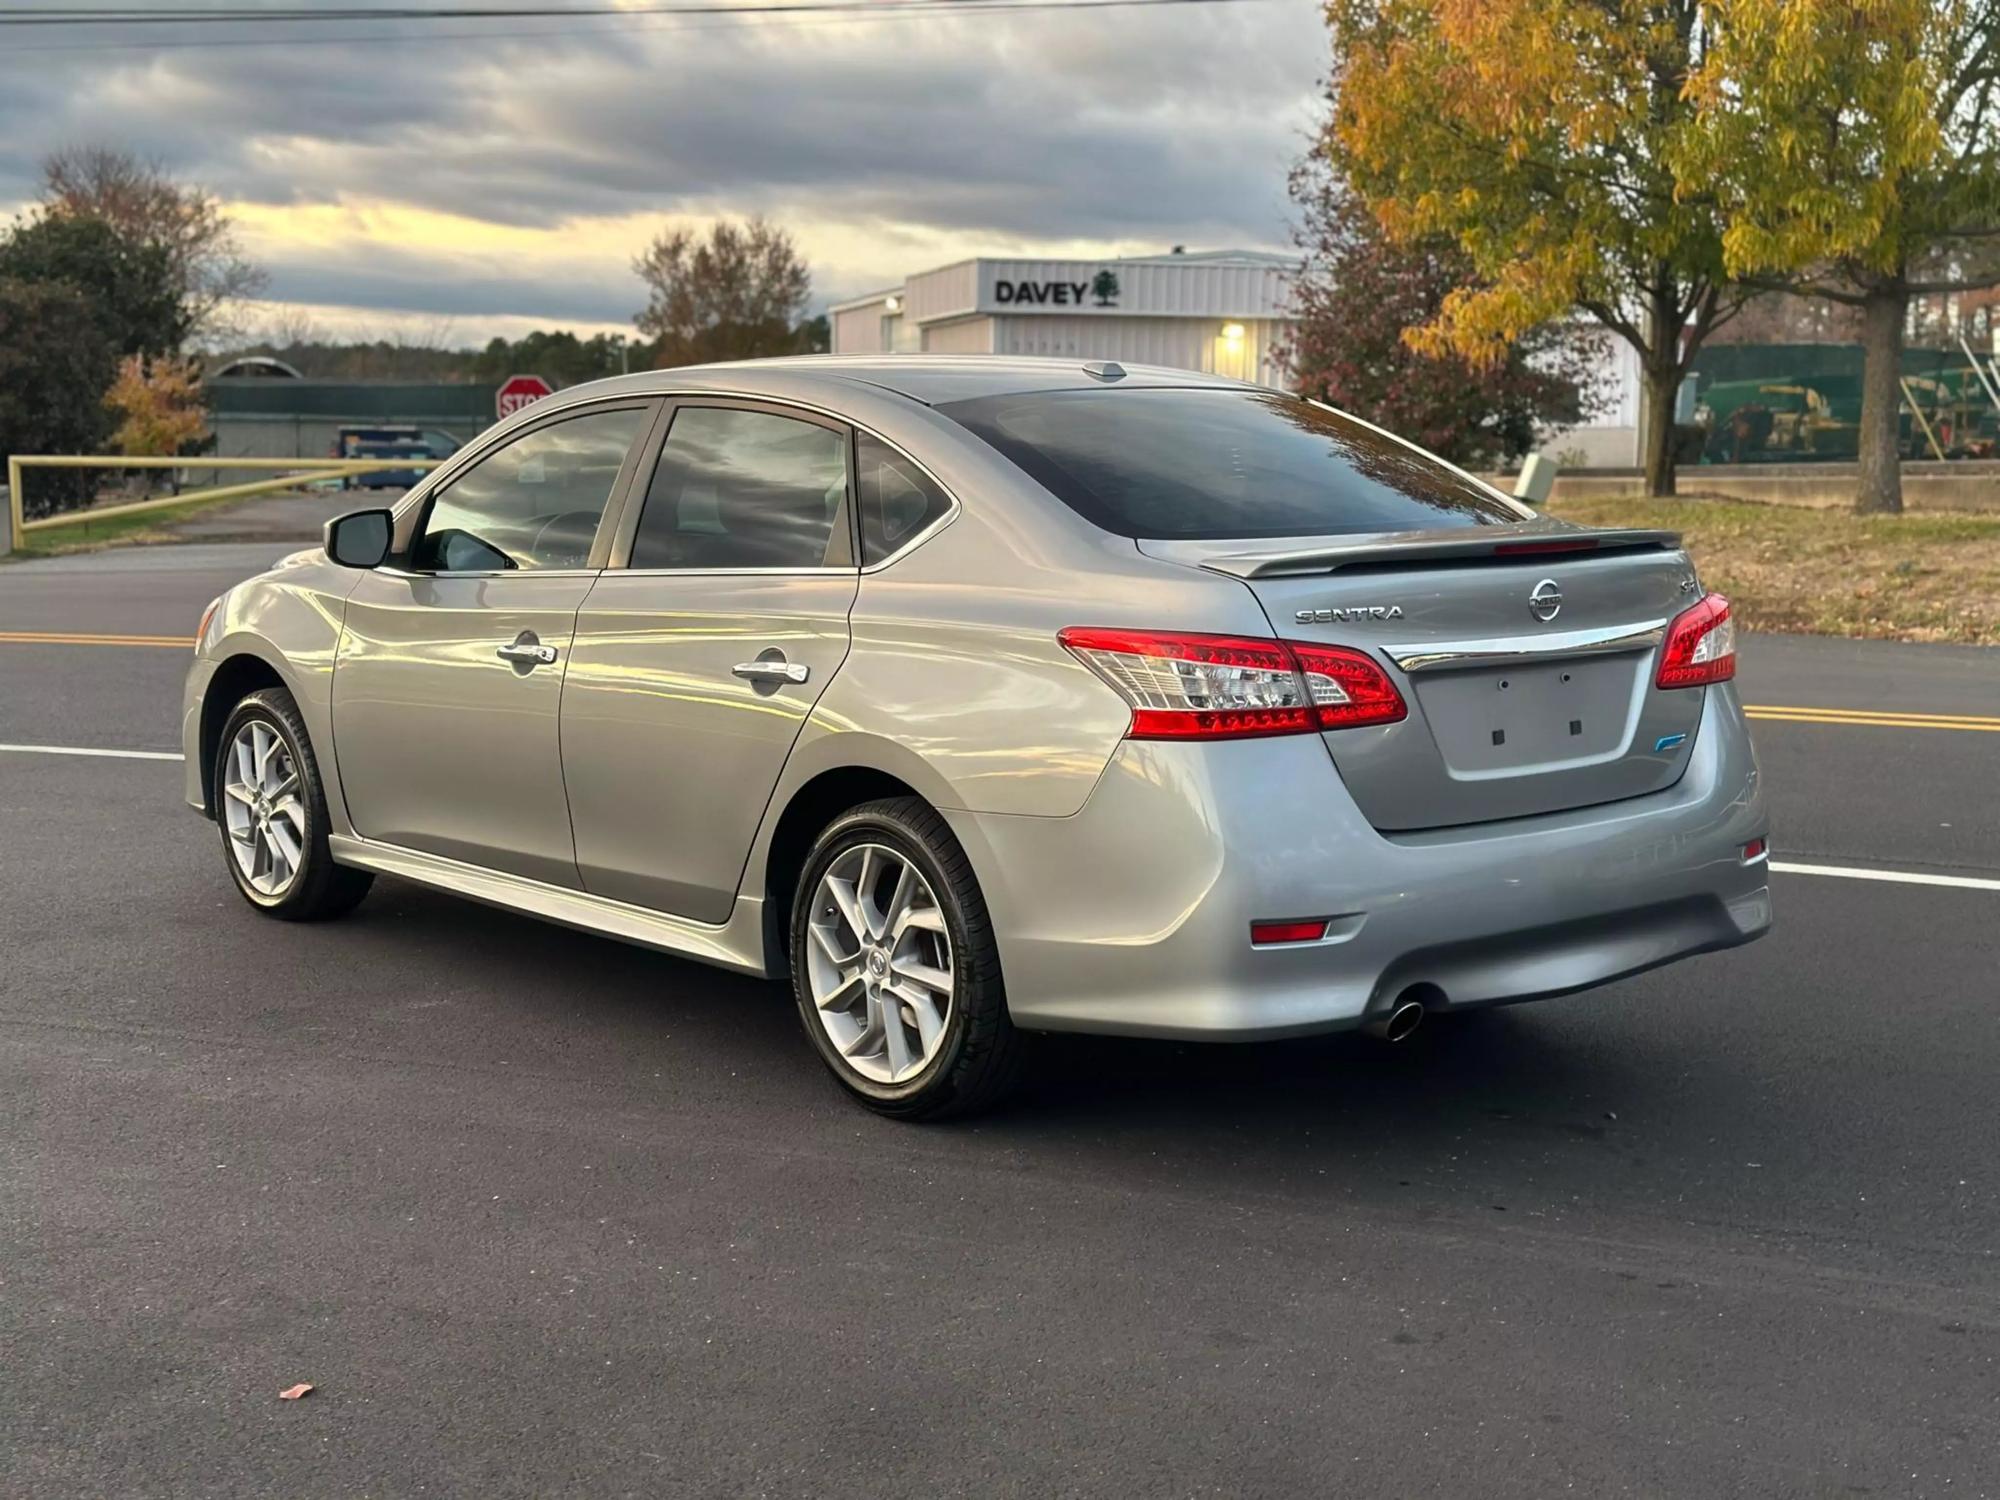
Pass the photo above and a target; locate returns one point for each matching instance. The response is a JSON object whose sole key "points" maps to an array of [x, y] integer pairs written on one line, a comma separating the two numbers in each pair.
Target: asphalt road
{"points": [[540, 1214]]}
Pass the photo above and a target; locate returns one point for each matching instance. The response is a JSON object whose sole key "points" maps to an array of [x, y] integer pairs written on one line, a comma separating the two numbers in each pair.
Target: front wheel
{"points": [[895, 969], [271, 808]]}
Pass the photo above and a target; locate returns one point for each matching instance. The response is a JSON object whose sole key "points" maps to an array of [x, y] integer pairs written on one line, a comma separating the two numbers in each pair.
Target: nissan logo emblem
{"points": [[1546, 602]]}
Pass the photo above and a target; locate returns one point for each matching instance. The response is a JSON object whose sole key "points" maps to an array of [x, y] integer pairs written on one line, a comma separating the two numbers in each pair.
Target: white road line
{"points": [[1839, 872], [1901, 877], [82, 750]]}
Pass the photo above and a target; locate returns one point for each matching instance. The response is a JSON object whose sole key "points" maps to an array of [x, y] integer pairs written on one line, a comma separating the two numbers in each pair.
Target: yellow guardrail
{"points": [[296, 469]]}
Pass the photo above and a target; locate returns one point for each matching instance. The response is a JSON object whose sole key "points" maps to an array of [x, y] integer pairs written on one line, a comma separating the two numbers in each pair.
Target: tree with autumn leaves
{"points": [[1538, 136], [1356, 295], [1873, 127], [1652, 163], [101, 286], [159, 405]]}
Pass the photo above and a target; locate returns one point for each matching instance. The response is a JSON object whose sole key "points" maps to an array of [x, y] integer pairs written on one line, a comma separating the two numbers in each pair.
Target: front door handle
{"points": [[772, 671], [527, 654]]}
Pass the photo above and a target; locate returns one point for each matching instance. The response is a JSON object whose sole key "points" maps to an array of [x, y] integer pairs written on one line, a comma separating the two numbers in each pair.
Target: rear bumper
{"points": [[1134, 915]]}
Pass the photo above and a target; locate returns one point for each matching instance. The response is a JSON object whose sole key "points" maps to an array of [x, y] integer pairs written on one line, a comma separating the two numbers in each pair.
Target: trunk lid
{"points": [[1527, 659]]}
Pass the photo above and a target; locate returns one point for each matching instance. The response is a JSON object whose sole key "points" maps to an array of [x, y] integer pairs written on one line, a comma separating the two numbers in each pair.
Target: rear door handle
{"points": [[527, 653], [772, 671]]}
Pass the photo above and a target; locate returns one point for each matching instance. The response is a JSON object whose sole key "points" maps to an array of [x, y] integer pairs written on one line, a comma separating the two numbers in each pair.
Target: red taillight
{"points": [[1213, 724], [1347, 688], [1701, 646], [1198, 687], [1207, 687], [1288, 932]]}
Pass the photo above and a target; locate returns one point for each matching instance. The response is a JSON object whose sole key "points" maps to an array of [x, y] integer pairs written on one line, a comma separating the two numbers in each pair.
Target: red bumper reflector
{"points": [[1288, 932], [1755, 850]]}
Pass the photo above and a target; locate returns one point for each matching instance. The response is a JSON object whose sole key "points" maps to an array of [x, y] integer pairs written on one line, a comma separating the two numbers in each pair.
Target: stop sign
{"points": [[517, 391]]}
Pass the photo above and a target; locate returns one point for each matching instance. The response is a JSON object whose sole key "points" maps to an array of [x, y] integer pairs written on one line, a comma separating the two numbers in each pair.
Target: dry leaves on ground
{"points": [[1906, 578]]}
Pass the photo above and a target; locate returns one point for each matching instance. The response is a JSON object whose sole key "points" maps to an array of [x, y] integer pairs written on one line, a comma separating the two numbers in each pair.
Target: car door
{"points": [[702, 648], [451, 659]]}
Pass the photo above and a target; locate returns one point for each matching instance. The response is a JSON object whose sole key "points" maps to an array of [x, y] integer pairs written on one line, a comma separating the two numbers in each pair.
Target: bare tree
{"points": [[283, 325], [736, 294], [426, 333], [1781, 317], [138, 198]]}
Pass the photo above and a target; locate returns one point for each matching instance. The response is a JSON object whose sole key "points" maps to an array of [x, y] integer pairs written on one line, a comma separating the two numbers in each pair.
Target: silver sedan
{"points": [[978, 697]]}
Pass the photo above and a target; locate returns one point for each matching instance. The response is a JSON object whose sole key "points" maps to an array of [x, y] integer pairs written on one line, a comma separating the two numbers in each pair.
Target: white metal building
{"points": [[1221, 311], [1226, 312]]}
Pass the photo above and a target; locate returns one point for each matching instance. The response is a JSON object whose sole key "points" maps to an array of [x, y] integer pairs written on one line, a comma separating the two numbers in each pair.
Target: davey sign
{"points": [[517, 391], [1100, 291]]}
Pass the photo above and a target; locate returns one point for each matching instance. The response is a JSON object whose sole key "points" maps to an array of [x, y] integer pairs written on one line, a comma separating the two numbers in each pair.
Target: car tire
{"points": [[264, 751], [956, 1058]]}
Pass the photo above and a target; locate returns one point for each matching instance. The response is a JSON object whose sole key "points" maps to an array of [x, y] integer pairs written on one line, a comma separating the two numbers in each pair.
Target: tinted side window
{"points": [[532, 503], [743, 489], [897, 498], [1225, 463]]}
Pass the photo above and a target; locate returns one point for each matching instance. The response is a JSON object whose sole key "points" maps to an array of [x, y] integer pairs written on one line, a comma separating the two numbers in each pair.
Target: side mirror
{"points": [[359, 539]]}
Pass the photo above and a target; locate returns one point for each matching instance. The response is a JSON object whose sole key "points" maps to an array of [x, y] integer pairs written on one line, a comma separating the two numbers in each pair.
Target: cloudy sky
{"points": [[501, 174]]}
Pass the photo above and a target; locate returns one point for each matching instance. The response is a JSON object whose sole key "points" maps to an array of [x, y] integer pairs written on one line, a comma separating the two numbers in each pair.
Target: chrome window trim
{"points": [[1528, 512], [625, 534], [498, 436], [950, 515], [395, 572], [489, 440], [1444, 656], [951, 511], [731, 572]]}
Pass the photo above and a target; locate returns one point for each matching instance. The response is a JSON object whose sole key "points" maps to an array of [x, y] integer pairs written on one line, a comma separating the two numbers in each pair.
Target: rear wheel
{"points": [[271, 808], [895, 969]]}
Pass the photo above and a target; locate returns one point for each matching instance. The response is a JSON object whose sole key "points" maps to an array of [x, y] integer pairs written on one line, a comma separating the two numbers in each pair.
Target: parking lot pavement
{"points": [[114, 694], [295, 520], [1885, 676], [537, 1213]]}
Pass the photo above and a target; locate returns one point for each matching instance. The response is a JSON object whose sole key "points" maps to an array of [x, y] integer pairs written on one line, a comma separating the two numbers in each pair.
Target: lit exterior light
{"points": [[893, 304], [1233, 332]]}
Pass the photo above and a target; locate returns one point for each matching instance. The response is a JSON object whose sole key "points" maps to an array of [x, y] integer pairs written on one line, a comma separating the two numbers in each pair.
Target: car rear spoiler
{"points": [[1467, 545]]}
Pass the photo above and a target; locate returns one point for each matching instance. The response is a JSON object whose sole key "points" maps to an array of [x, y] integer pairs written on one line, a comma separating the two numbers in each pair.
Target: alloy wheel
{"points": [[879, 963], [262, 810]]}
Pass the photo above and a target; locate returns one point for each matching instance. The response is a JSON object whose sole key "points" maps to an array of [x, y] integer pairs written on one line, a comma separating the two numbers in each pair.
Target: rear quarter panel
{"points": [[954, 656], [955, 683]]}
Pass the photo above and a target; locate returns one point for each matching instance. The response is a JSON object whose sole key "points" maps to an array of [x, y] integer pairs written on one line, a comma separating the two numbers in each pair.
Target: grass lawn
{"points": [[83, 534], [1905, 578], [1819, 572]]}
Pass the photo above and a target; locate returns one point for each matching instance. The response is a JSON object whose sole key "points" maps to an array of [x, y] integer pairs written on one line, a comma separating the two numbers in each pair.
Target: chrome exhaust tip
{"points": [[1398, 1022]]}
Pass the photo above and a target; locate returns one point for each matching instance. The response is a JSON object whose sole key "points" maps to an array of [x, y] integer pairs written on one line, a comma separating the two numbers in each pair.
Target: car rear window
{"points": [[1224, 463]]}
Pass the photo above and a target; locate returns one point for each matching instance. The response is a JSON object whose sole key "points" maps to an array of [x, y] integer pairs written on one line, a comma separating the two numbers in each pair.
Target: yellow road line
{"points": [[1874, 713], [1780, 713], [1863, 718], [65, 638]]}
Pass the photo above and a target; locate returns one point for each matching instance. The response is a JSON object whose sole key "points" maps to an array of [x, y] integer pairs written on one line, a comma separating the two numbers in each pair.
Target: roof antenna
{"points": [[1105, 369]]}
